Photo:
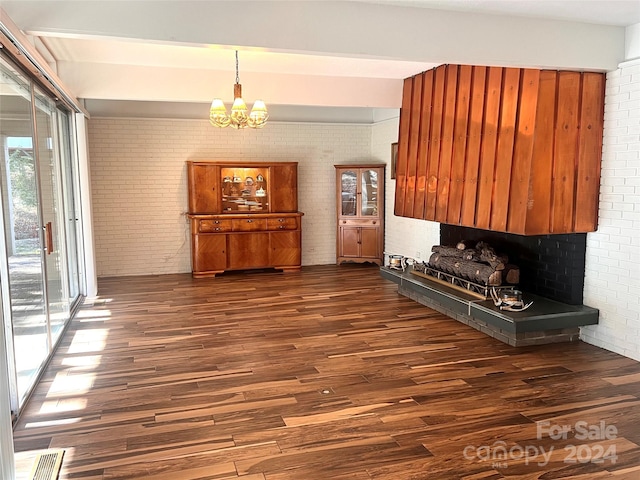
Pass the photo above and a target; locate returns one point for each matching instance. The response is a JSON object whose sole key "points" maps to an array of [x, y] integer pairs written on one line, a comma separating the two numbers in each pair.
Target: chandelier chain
{"points": [[237, 74]]}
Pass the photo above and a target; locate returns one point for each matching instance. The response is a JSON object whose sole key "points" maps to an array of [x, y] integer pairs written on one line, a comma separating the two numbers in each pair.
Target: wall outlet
{"points": [[418, 254]]}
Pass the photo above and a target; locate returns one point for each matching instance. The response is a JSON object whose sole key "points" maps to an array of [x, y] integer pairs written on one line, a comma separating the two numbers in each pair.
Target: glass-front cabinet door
{"points": [[369, 193], [349, 192], [359, 192], [245, 190]]}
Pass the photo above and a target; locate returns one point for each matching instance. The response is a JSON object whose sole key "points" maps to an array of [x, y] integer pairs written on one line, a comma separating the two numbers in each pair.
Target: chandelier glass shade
{"points": [[239, 118]]}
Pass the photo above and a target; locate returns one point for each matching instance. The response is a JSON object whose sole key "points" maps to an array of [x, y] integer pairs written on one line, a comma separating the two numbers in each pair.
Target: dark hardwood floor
{"points": [[322, 374]]}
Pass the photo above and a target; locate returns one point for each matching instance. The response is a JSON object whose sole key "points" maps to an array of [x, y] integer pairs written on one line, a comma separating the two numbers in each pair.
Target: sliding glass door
{"points": [[24, 302], [39, 277], [53, 223]]}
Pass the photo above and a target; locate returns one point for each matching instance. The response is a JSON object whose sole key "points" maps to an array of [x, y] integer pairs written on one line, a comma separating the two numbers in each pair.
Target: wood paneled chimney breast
{"points": [[507, 149]]}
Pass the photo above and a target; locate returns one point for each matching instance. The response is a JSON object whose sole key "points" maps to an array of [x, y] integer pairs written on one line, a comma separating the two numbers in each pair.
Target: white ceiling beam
{"points": [[351, 29], [149, 83]]}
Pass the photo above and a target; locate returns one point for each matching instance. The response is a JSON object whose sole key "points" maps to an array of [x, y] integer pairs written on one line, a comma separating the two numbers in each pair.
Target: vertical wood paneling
{"points": [[423, 149], [565, 154], [403, 147], [474, 144], [504, 149], [589, 153], [523, 151], [489, 145], [434, 147], [504, 154], [459, 144], [446, 151], [539, 204], [414, 140]]}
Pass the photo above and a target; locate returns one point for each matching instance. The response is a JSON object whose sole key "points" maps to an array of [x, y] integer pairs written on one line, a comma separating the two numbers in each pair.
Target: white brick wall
{"points": [[403, 236], [139, 185], [612, 277]]}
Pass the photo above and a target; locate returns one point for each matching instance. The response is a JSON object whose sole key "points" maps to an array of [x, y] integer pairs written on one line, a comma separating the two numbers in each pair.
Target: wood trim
{"points": [[459, 155], [565, 152], [539, 202], [491, 118], [423, 148], [504, 151], [414, 143], [523, 151], [403, 147], [435, 142], [589, 153], [446, 146], [474, 147]]}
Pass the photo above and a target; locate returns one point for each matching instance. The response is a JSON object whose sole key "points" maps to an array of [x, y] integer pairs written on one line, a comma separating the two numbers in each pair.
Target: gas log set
{"points": [[478, 270], [470, 266], [480, 264]]}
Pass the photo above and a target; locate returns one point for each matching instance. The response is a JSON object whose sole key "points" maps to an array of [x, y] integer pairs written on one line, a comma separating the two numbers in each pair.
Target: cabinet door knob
{"points": [[217, 229], [281, 227], [374, 222], [249, 221], [281, 219], [216, 221]]}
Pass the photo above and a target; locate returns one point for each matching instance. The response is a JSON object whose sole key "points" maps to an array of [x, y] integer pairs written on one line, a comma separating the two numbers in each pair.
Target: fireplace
{"points": [[551, 277], [551, 266]]}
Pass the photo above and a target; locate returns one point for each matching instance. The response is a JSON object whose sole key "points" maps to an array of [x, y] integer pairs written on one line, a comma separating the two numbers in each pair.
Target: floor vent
{"points": [[47, 465]]}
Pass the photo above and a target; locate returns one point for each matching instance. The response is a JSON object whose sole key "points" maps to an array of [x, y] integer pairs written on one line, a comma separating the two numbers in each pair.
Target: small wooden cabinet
{"points": [[243, 216], [360, 205]]}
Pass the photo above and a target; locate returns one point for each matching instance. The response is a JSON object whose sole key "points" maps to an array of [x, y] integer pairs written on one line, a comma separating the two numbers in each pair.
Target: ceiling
{"points": [[604, 12], [309, 60]]}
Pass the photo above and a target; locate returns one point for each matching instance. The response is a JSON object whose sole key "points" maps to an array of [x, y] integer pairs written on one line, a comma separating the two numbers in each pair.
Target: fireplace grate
{"points": [[47, 465], [476, 289]]}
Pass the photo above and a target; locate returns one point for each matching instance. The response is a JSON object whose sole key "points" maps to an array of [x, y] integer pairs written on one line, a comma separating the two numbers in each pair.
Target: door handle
{"points": [[48, 238]]}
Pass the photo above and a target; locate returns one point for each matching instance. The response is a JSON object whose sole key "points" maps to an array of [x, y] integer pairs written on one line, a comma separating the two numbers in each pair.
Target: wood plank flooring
{"points": [[323, 374]]}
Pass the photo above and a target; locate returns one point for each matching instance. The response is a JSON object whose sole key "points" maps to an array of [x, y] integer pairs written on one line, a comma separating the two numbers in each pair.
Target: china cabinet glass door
{"points": [[369, 193], [349, 183]]}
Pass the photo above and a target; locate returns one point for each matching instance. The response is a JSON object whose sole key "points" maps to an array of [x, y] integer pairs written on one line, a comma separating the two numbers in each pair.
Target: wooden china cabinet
{"points": [[360, 204], [243, 216]]}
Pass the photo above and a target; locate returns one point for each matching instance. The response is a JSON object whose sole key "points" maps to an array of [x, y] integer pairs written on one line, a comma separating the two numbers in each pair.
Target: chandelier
{"points": [[238, 119]]}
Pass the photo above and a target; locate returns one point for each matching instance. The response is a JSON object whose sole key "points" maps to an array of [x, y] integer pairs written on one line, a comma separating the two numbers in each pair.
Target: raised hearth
{"points": [[546, 321]]}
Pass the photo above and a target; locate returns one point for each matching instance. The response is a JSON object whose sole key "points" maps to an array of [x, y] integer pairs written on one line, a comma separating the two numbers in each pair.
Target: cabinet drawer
{"points": [[359, 222], [282, 223], [212, 226], [249, 224]]}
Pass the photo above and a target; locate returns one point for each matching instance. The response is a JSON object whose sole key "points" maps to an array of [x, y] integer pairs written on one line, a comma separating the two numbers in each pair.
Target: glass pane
{"points": [[53, 218], [245, 190], [70, 218], [30, 343], [369, 192], [348, 189]]}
